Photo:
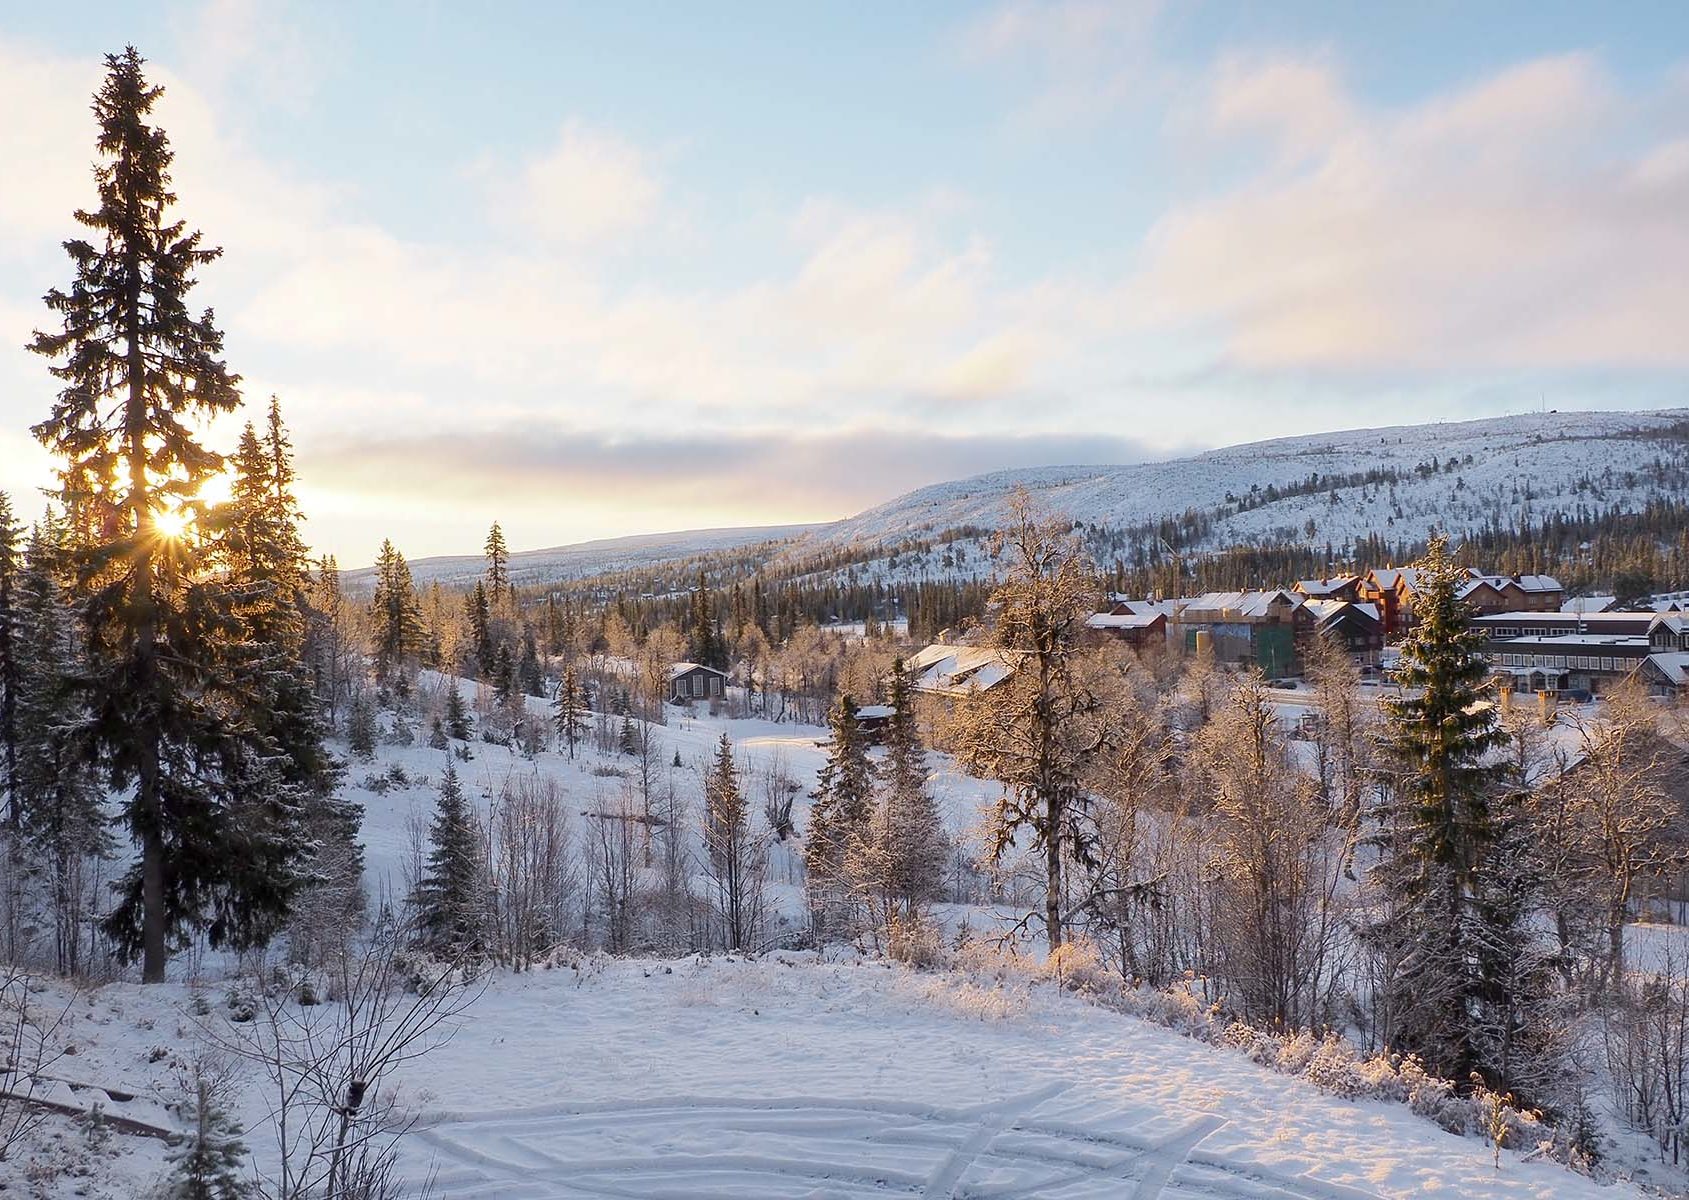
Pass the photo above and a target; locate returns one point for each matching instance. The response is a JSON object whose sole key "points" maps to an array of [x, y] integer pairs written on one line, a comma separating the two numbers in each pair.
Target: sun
{"points": [[172, 523]]}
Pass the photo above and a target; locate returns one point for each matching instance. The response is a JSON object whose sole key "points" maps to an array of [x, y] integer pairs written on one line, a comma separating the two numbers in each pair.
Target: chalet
{"points": [[1249, 629], [1141, 631], [1356, 627], [1512, 593], [872, 720], [690, 681], [1338, 587]]}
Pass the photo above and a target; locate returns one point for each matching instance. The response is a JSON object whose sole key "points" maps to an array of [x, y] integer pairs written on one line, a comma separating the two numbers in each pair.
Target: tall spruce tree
{"points": [[906, 847], [730, 849], [398, 633], [10, 668], [265, 564], [498, 564], [171, 724], [1438, 831], [448, 897], [477, 609], [838, 820], [570, 708]]}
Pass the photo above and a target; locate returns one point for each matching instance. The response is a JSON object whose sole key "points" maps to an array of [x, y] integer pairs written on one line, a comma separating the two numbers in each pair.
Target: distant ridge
{"points": [[581, 559]]}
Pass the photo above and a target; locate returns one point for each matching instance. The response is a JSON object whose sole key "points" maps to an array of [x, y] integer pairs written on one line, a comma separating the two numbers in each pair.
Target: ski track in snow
{"points": [[1046, 1142]]}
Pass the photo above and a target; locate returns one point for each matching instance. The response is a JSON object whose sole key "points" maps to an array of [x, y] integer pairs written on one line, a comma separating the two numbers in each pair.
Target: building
{"points": [[1338, 587], [1532, 653], [1589, 604], [1356, 627], [1486, 594], [1498, 626], [690, 681], [951, 671], [1562, 662], [1390, 590], [872, 720], [1141, 631], [1250, 630]]}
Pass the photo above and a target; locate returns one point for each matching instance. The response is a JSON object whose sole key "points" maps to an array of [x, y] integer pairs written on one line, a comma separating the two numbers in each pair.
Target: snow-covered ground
{"points": [[785, 1075]]}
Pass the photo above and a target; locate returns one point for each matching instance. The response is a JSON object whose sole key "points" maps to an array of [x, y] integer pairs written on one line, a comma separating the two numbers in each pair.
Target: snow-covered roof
{"points": [[1674, 665], [954, 669], [1122, 620], [1246, 604], [1325, 587], [1330, 610], [686, 668], [875, 712], [1388, 577], [1589, 604], [1674, 621]]}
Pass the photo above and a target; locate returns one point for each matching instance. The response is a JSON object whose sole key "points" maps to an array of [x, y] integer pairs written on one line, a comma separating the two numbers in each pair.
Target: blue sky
{"points": [[593, 270]]}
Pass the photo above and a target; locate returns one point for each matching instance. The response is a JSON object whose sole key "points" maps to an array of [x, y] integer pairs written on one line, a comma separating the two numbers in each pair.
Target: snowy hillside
{"points": [[590, 558], [1503, 468]]}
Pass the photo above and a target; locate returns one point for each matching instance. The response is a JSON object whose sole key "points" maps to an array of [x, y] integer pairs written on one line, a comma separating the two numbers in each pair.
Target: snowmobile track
{"points": [[1044, 1143]]}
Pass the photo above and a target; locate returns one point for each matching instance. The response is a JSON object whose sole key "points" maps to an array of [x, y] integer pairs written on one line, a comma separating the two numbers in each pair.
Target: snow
{"points": [[798, 1074], [1523, 466]]}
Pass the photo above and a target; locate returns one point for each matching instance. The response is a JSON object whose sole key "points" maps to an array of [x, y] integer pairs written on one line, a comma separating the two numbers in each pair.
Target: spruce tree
{"points": [[528, 673], [60, 802], [1437, 830], [477, 610], [448, 897], [498, 564], [171, 726], [571, 708], [838, 820], [398, 633], [729, 849], [457, 715], [264, 560], [906, 847], [209, 1164], [10, 669]]}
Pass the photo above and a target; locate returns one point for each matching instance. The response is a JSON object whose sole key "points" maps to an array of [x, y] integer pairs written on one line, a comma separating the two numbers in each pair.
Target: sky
{"points": [[593, 270]]}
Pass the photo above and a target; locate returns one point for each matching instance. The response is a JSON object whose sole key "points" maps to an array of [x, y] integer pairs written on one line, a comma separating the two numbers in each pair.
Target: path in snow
{"points": [[1047, 1142]]}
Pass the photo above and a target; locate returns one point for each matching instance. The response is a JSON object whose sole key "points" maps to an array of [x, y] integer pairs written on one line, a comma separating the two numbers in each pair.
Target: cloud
{"points": [[1517, 222], [1081, 58], [590, 184], [817, 475]]}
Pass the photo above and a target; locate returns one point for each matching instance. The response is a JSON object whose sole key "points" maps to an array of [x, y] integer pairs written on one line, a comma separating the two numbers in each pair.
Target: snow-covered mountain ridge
{"points": [[1502, 469]]}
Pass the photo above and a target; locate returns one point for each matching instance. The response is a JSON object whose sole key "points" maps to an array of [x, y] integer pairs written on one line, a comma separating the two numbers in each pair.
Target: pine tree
{"points": [[396, 615], [209, 1163], [59, 800], [448, 897], [504, 675], [838, 820], [477, 610], [528, 673], [571, 708], [264, 562], [1438, 833], [703, 637], [457, 716], [903, 854], [360, 728], [10, 669], [729, 849], [627, 740], [170, 728], [498, 564]]}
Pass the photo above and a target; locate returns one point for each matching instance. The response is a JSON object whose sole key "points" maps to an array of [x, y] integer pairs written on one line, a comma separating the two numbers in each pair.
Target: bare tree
{"points": [[328, 1069], [1036, 730], [1278, 861], [531, 871]]}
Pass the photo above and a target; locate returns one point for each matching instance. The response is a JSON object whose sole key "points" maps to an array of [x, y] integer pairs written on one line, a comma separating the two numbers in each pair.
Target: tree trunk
{"points": [[1053, 876]]}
